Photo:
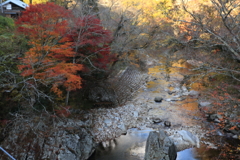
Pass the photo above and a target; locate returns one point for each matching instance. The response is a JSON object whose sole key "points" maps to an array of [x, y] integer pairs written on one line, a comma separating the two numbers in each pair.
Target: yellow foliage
{"points": [[205, 36], [35, 1], [150, 9]]}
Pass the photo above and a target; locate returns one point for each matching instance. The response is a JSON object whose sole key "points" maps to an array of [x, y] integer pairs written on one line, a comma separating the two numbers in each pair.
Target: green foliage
{"points": [[6, 23]]}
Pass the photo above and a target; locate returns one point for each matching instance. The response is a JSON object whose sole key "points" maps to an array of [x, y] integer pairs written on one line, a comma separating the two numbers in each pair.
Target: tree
{"points": [[220, 22], [209, 37], [48, 62], [91, 43], [210, 33], [130, 33]]}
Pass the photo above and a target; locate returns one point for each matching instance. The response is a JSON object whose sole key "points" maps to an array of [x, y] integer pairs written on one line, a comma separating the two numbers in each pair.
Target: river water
{"points": [[183, 112], [134, 140]]}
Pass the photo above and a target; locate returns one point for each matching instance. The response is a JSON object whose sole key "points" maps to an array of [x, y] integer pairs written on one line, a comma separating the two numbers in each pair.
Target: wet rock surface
{"points": [[160, 147], [183, 139]]}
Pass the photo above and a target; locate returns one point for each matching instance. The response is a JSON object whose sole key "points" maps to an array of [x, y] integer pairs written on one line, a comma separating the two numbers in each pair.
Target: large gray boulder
{"points": [[160, 147], [184, 139], [36, 139]]}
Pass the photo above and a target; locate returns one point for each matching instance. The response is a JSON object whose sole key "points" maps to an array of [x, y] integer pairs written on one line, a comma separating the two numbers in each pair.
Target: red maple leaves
{"points": [[59, 50], [91, 42]]}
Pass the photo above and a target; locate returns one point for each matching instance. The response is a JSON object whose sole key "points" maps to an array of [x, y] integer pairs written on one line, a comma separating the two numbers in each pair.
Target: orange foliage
{"points": [[232, 128], [49, 58]]}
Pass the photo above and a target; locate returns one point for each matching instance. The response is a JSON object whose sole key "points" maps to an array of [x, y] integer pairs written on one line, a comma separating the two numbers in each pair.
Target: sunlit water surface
{"points": [[133, 138], [122, 145]]}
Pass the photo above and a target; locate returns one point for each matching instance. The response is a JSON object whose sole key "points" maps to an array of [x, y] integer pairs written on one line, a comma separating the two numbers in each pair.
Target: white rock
{"points": [[235, 137], [189, 137], [135, 114], [184, 89], [108, 122], [204, 104], [193, 93]]}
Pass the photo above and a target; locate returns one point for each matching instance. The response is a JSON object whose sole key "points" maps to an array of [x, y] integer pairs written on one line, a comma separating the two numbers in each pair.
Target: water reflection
{"points": [[179, 111], [187, 154], [123, 144], [132, 147]]}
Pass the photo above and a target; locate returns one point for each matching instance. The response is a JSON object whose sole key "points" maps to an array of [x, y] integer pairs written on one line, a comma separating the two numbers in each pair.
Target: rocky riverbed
{"points": [[162, 102]]}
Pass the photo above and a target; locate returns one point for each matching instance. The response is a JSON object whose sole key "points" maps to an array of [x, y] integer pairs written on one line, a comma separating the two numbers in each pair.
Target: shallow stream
{"points": [[135, 141], [180, 112]]}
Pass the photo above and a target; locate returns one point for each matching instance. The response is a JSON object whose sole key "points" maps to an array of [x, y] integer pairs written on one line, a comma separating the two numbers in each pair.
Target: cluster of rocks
{"points": [[77, 139], [69, 138], [228, 127], [164, 144], [226, 121], [116, 121], [36, 138], [112, 123], [180, 92]]}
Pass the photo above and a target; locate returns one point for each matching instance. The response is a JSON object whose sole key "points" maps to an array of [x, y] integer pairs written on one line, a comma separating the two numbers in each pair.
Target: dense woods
{"points": [[55, 48]]}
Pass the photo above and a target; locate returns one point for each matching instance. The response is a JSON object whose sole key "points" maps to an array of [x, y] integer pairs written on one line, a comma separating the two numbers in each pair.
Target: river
{"points": [[179, 109]]}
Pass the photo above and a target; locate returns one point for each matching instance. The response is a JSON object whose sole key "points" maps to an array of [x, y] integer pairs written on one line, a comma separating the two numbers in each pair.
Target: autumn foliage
{"points": [[91, 42], [60, 45]]}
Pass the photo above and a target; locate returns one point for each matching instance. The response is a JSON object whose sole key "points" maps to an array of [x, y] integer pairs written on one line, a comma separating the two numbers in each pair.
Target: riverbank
{"points": [[175, 113], [162, 101]]}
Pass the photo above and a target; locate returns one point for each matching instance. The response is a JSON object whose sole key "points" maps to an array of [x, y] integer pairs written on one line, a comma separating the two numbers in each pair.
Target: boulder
{"points": [[167, 123], [193, 93], [235, 137], [204, 104], [184, 139], [214, 117], [158, 99], [189, 137], [160, 147], [37, 138], [156, 120]]}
